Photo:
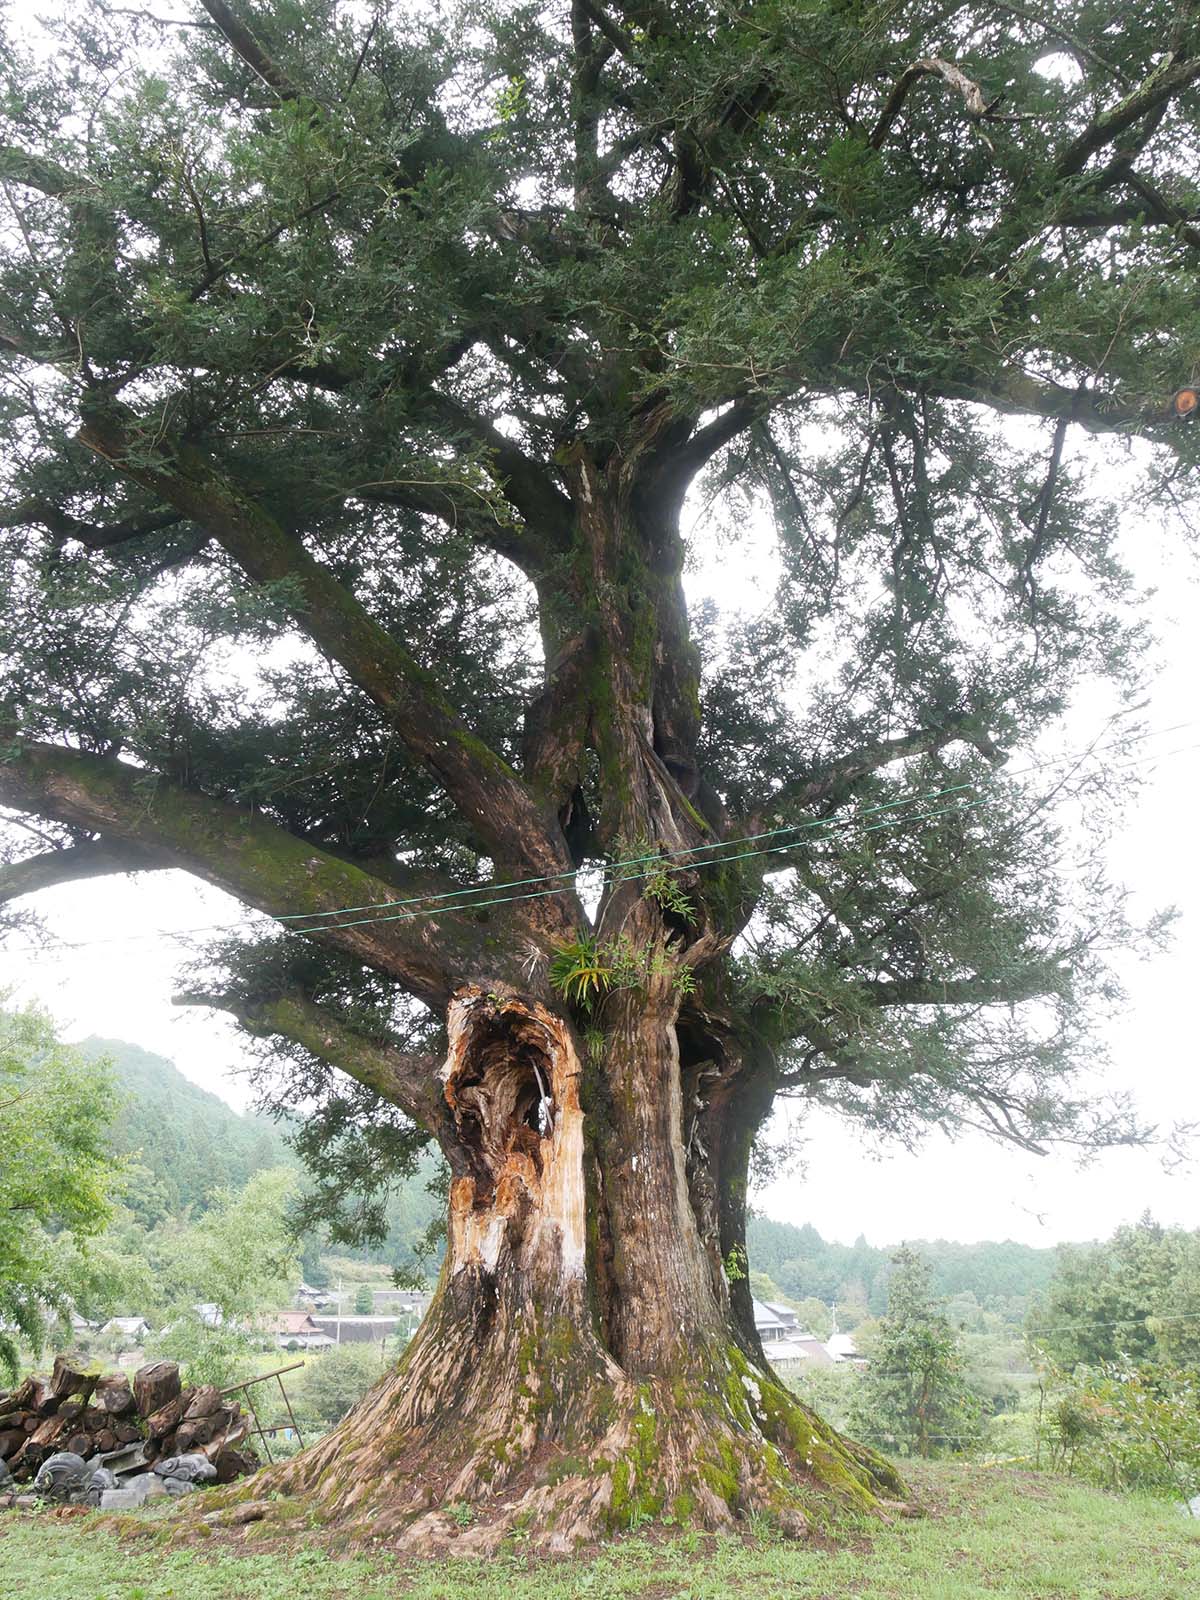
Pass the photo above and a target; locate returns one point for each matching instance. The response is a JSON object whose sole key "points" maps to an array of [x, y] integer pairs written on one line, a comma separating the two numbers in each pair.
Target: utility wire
{"points": [[456, 900], [750, 838], [827, 827]]}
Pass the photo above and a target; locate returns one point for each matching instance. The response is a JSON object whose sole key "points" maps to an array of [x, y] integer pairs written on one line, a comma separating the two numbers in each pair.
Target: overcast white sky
{"points": [[970, 1190]]}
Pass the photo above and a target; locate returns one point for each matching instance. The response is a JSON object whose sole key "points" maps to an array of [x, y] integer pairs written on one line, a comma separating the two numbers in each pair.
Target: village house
{"points": [[295, 1330], [358, 1330], [131, 1330], [786, 1345]]}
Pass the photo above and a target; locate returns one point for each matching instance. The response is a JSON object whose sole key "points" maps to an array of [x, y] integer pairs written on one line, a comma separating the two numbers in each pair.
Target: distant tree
{"points": [[914, 1398], [1136, 1297], [57, 1179], [814, 1315], [334, 1381], [364, 1300], [240, 1256]]}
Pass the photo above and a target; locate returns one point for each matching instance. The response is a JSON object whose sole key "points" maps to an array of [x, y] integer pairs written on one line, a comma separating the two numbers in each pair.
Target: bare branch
{"points": [[978, 109], [93, 535]]}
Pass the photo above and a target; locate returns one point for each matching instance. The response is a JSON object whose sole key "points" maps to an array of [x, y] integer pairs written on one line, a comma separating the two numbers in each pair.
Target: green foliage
{"points": [[580, 971], [57, 1178], [240, 1255], [914, 1398], [585, 969], [646, 864], [331, 1382], [189, 1143], [1127, 1428], [1000, 1276], [1135, 1298], [390, 308], [364, 1300]]}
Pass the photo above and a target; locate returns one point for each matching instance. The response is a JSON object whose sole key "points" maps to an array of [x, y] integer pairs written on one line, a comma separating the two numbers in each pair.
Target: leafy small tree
{"points": [[1129, 1427], [241, 1255], [333, 1382], [57, 1179], [914, 1398], [364, 1300]]}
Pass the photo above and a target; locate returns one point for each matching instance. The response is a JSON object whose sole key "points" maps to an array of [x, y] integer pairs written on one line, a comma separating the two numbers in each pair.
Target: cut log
{"points": [[200, 1431], [70, 1379], [233, 1464], [154, 1385], [49, 1431], [20, 1398], [126, 1430], [11, 1441], [113, 1395], [79, 1444], [106, 1440], [44, 1400], [205, 1401], [159, 1423]]}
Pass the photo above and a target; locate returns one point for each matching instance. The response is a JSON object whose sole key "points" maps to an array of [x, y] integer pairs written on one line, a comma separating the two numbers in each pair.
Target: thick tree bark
{"points": [[581, 1368]]}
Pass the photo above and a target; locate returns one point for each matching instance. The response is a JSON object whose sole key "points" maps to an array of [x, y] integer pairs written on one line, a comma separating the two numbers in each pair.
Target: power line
{"points": [[828, 826], [750, 838], [457, 901]]}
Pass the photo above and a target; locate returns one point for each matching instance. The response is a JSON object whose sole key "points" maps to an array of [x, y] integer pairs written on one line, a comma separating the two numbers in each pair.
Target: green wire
{"points": [[617, 866], [821, 825], [683, 866]]}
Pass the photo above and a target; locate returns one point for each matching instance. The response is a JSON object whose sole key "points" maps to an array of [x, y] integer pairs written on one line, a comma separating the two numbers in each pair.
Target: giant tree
{"points": [[370, 381]]}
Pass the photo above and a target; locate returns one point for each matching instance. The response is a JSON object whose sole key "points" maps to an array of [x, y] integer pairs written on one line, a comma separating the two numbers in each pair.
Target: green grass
{"points": [[992, 1534]]}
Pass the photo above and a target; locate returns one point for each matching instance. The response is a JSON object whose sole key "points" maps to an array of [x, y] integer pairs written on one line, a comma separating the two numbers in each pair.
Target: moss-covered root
{"points": [[711, 1450]]}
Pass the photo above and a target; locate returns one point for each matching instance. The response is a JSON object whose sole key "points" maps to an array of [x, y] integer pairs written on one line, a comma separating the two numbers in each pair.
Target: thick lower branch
{"points": [[241, 851], [403, 1078]]}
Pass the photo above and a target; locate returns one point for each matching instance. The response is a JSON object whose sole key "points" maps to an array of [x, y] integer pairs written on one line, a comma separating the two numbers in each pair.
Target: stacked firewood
{"points": [[110, 1417]]}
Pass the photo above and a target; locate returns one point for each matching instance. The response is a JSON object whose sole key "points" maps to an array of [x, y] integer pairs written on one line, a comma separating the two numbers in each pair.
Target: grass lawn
{"points": [[994, 1534]]}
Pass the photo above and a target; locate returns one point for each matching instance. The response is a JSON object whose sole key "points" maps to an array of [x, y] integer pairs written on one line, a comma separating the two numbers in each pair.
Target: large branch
{"points": [[1015, 393], [251, 49], [241, 851], [484, 788], [96, 859], [402, 1078], [1172, 78], [813, 788]]}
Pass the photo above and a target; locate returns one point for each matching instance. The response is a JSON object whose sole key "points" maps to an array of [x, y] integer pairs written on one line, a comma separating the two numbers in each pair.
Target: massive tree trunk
{"points": [[581, 1368]]}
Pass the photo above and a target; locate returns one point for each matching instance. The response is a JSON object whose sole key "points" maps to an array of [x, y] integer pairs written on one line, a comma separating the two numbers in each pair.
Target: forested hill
{"points": [[801, 1263], [189, 1142]]}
